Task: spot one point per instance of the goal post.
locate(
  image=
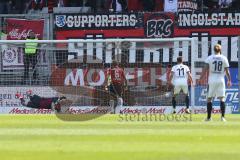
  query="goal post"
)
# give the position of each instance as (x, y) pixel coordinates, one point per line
(194, 53)
(238, 46)
(77, 67)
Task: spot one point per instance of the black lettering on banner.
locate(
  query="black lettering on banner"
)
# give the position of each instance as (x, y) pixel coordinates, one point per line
(159, 28)
(159, 25)
(150, 30)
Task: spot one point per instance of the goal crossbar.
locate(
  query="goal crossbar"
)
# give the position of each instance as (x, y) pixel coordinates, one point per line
(97, 40)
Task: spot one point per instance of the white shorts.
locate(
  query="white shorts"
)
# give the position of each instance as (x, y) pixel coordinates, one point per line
(179, 88)
(216, 90)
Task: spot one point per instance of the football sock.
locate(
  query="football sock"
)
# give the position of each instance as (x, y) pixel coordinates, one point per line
(222, 106)
(187, 101)
(174, 102)
(209, 109)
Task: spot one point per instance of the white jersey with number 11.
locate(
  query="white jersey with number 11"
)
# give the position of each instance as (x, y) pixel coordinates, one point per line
(180, 76)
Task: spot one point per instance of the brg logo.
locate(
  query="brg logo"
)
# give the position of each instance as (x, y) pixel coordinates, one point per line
(9, 55)
(159, 25)
(60, 20)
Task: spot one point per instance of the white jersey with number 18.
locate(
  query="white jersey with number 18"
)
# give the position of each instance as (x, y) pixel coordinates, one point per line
(217, 65)
(180, 76)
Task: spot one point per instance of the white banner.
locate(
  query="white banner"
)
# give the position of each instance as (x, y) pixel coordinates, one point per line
(9, 100)
(105, 110)
(168, 110)
(12, 58)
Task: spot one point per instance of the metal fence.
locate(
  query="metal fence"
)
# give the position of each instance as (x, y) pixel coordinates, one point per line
(6, 75)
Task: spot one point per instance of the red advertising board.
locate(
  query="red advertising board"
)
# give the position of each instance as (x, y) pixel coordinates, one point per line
(19, 28)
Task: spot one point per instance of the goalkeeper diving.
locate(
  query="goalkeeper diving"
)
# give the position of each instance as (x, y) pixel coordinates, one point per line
(37, 102)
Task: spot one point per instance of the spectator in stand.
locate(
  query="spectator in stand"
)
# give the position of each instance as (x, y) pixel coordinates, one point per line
(8, 7)
(210, 5)
(96, 5)
(140, 5)
(117, 5)
(170, 5)
(148, 5)
(159, 5)
(11, 8)
(221, 5)
(101, 5)
(200, 5)
(51, 4)
(215, 8)
(3, 6)
(74, 3)
(224, 4)
(235, 5)
(134, 5)
(23, 6)
(37, 4)
(56, 3)
(62, 3)
(92, 4)
(20, 6)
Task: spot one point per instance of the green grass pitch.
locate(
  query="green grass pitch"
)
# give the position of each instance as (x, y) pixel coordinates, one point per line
(39, 137)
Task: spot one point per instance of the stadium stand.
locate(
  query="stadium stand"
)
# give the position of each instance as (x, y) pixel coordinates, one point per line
(24, 6)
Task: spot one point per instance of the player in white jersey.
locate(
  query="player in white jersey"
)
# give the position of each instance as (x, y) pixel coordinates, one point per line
(179, 76)
(217, 66)
(170, 5)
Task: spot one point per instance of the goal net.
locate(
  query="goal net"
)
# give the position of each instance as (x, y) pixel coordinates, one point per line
(78, 68)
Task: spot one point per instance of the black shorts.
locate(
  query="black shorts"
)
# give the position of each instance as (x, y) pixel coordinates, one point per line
(116, 89)
(41, 102)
